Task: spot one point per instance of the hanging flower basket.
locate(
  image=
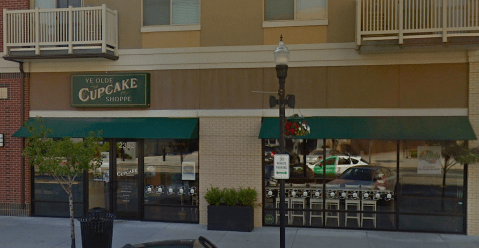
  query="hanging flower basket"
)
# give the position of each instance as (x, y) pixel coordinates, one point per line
(296, 126)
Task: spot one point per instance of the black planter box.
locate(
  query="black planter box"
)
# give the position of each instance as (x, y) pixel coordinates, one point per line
(230, 218)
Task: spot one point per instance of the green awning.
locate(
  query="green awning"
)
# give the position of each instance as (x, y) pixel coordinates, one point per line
(380, 128)
(140, 128)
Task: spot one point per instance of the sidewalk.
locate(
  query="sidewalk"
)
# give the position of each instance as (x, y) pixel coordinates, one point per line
(55, 232)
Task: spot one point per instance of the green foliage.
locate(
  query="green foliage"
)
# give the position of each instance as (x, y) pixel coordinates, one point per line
(456, 152)
(214, 196)
(231, 197)
(247, 197)
(61, 158)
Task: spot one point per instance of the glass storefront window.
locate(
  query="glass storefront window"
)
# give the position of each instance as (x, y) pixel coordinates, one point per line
(431, 186)
(171, 180)
(50, 199)
(357, 184)
(352, 185)
(99, 181)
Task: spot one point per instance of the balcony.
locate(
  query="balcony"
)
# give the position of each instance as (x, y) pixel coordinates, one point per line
(417, 25)
(87, 32)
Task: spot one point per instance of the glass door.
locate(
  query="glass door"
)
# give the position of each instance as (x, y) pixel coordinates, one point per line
(99, 181)
(127, 179)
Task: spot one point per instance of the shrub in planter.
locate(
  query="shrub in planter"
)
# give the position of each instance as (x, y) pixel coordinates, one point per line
(231, 209)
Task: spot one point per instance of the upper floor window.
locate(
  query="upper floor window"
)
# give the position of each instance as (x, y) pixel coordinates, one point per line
(52, 4)
(171, 12)
(296, 10)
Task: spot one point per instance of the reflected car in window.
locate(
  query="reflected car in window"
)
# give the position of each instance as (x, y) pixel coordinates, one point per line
(269, 152)
(374, 177)
(336, 165)
(317, 154)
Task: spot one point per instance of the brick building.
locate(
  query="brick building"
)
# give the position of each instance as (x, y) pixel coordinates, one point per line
(186, 84)
(15, 189)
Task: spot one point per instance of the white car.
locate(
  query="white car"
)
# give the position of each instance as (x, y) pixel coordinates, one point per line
(317, 155)
(336, 165)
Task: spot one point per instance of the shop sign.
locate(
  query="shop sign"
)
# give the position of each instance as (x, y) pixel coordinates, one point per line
(429, 160)
(269, 219)
(281, 166)
(188, 171)
(110, 90)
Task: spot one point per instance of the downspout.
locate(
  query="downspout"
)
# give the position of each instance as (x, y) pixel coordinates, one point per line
(22, 119)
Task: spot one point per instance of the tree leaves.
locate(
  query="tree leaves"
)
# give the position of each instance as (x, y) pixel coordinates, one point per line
(61, 157)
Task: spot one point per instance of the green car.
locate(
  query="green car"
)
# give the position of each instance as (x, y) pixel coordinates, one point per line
(336, 165)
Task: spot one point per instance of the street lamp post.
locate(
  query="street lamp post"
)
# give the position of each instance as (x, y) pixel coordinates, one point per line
(281, 57)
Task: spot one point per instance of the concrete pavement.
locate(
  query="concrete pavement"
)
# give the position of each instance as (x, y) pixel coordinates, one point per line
(42, 232)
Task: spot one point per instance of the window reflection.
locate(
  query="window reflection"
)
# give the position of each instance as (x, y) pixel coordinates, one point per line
(431, 182)
(358, 176)
(355, 184)
(50, 199)
(98, 181)
(171, 180)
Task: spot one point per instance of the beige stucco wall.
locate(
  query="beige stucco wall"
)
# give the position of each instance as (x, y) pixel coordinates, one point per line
(231, 22)
(170, 39)
(230, 157)
(129, 20)
(296, 35)
(341, 21)
(389, 86)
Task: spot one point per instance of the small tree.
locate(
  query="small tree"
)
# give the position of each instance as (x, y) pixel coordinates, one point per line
(454, 153)
(63, 159)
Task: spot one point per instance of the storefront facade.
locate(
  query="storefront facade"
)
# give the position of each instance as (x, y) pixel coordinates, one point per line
(205, 108)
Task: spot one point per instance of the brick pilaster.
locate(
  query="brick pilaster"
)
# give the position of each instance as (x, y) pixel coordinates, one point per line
(473, 169)
(230, 156)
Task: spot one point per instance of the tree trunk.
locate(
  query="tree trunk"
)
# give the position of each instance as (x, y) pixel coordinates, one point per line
(72, 214)
(443, 195)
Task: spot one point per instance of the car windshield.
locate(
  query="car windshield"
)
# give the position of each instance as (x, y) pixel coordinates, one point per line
(361, 174)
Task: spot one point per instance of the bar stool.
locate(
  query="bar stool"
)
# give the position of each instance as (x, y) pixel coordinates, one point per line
(297, 201)
(315, 200)
(332, 201)
(352, 200)
(370, 199)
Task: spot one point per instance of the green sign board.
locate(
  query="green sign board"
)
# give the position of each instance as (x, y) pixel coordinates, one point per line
(110, 90)
(269, 219)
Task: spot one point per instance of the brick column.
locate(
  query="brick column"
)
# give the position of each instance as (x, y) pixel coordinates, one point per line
(230, 156)
(10, 153)
(473, 169)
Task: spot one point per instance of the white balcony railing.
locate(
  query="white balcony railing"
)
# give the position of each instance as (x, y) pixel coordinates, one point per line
(412, 19)
(66, 29)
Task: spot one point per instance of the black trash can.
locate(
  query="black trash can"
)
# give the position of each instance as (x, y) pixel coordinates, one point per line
(97, 228)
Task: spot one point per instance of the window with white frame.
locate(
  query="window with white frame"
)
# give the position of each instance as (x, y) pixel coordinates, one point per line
(295, 10)
(171, 12)
(52, 4)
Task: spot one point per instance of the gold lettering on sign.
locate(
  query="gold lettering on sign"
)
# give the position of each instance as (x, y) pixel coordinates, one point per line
(86, 94)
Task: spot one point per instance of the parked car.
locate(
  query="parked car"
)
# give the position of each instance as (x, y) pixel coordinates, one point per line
(336, 165)
(316, 155)
(369, 177)
(201, 242)
(297, 170)
(269, 152)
